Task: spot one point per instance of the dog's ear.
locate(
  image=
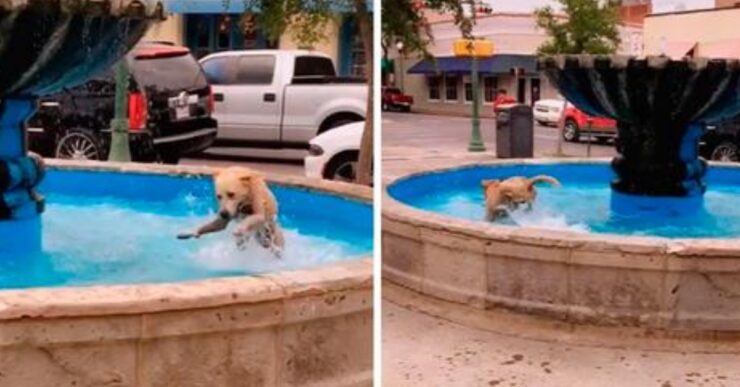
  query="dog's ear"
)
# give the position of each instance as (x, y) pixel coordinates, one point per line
(486, 183)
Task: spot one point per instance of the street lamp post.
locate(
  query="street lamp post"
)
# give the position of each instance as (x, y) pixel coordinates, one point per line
(399, 46)
(476, 141)
(473, 48)
(119, 146)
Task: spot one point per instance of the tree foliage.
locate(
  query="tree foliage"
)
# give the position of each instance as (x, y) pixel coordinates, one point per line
(590, 27)
(404, 21)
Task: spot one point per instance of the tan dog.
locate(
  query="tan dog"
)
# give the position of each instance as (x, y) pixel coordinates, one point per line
(243, 196)
(503, 196)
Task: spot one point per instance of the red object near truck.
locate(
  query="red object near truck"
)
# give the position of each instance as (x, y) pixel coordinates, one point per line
(576, 124)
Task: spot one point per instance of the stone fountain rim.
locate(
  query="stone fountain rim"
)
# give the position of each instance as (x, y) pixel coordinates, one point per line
(400, 212)
(133, 299)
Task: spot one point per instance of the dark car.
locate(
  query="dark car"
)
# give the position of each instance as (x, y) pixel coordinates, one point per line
(721, 141)
(394, 98)
(169, 109)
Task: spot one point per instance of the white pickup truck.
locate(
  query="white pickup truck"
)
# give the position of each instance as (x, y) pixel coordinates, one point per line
(279, 98)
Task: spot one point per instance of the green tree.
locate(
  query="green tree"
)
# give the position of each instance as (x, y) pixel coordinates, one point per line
(404, 21)
(589, 27)
(307, 22)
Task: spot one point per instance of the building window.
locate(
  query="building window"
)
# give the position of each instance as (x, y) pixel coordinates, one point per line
(468, 86)
(490, 85)
(351, 58)
(208, 33)
(249, 31)
(433, 84)
(224, 32)
(451, 82)
(358, 57)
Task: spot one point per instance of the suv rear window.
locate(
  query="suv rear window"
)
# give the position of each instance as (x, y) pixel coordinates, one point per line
(169, 72)
(313, 66)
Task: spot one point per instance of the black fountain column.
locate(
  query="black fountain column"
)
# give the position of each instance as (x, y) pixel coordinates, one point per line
(660, 106)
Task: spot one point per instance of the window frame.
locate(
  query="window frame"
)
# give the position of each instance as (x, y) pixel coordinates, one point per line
(438, 81)
(447, 89)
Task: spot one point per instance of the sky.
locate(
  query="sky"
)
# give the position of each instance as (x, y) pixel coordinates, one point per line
(658, 5)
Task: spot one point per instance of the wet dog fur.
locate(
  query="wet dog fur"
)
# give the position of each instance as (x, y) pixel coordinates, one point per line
(502, 196)
(243, 196)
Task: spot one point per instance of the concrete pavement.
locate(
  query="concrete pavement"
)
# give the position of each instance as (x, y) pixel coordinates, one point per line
(421, 349)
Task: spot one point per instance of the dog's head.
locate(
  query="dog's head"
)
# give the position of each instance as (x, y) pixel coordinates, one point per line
(235, 189)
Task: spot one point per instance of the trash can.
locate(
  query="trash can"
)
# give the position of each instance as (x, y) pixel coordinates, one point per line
(515, 132)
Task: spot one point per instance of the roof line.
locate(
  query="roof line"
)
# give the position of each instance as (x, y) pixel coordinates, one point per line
(690, 11)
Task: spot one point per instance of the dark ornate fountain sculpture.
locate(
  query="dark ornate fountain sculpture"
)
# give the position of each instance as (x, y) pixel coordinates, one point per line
(660, 106)
(45, 46)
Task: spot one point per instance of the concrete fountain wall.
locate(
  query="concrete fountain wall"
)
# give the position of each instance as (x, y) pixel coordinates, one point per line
(306, 327)
(680, 285)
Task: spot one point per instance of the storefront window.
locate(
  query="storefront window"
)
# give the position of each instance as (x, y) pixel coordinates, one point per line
(358, 57)
(490, 85)
(208, 33)
(433, 84)
(468, 91)
(451, 82)
(223, 26)
(249, 31)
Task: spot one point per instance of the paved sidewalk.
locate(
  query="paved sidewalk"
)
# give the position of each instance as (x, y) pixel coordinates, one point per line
(420, 349)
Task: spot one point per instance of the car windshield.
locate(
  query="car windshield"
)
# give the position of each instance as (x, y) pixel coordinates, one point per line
(393, 91)
(169, 72)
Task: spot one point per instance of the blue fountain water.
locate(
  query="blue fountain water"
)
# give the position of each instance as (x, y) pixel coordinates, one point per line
(113, 228)
(583, 204)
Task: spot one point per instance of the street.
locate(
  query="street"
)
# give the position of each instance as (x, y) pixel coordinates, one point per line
(443, 141)
(444, 133)
(266, 166)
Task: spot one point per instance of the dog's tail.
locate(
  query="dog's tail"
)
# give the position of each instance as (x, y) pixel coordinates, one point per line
(544, 178)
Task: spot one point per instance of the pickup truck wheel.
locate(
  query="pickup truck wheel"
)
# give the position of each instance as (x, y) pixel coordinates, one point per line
(342, 167)
(384, 106)
(726, 151)
(79, 145)
(571, 131)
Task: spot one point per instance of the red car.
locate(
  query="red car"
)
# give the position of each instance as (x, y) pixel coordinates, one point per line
(577, 123)
(393, 98)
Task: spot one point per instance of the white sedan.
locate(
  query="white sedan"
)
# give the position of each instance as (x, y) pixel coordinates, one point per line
(334, 153)
(548, 111)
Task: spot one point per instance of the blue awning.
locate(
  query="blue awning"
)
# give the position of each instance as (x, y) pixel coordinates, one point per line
(221, 6)
(497, 64)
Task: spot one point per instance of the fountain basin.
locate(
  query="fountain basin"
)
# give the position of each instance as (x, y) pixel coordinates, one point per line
(282, 325)
(664, 279)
